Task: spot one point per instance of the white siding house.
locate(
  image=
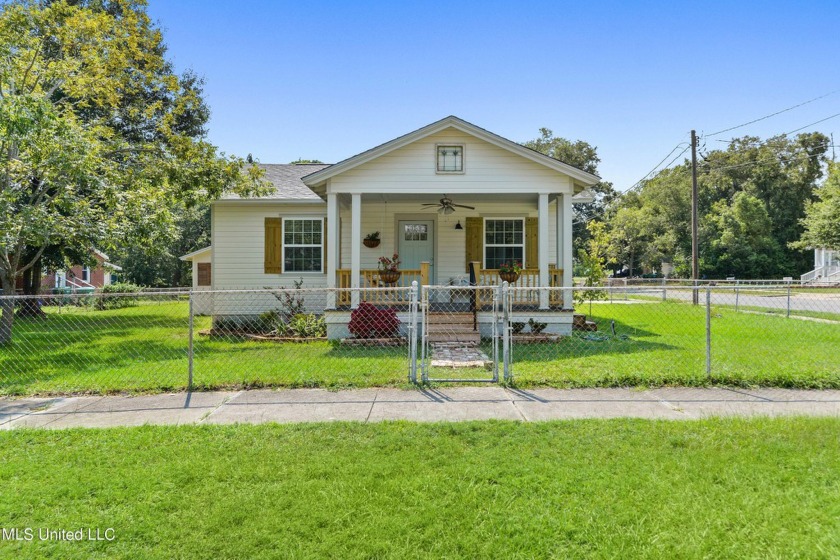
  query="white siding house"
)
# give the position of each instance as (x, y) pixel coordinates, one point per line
(311, 227)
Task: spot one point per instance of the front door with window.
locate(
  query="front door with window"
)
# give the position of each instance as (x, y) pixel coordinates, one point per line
(416, 244)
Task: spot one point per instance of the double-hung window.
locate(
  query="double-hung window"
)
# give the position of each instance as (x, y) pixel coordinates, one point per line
(302, 244)
(504, 242)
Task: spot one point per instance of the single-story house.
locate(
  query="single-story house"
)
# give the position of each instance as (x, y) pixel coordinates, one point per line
(202, 275)
(826, 268)
(103, 273)
(448, 197)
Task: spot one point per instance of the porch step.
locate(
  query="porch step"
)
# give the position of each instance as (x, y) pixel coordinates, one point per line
(449, 328)
(451, 319)
(465, 336)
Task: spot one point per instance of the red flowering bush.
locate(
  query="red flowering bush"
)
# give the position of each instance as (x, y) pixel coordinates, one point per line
(369, 321)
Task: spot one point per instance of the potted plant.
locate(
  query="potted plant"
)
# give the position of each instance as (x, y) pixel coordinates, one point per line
(389, 271)
(371, 240)
(509, 272)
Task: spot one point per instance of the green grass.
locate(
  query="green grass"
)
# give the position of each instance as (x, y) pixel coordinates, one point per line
(722, 488)
(664, 344)
(144, 348)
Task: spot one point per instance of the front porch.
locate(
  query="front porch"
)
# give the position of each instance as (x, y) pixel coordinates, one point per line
(453, 248)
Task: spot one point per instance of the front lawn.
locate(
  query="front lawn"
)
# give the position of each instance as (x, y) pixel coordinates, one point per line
(145, 348)
(719, 488)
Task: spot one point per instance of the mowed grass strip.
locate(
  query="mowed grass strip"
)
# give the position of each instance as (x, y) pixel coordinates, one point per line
(144, 348)
(718, 488)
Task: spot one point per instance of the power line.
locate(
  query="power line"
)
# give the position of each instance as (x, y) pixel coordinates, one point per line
(652, 171)
(764, 162)
(812, 124)
(770, 115)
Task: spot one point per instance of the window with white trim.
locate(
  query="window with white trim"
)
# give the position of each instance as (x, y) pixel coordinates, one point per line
(85, 274)
(504, 242)
(303, 245)
(450, 159)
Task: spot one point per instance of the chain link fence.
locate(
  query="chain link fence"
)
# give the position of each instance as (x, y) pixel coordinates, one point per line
(616, 335)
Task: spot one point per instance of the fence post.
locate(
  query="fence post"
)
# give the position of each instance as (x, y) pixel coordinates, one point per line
(424, 371)
(190, 350)
(708, 330)
(737, 294)
(664, 289)
(506, 341)
(412, 335)
(788, 300)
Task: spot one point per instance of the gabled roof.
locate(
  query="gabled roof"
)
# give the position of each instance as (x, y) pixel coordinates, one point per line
(191, 256)
(286, 179)
(317, 179)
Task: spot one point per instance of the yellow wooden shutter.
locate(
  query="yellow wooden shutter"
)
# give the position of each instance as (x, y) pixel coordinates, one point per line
(273, 245)
(475, 240)
(324, 245)
(532, 242)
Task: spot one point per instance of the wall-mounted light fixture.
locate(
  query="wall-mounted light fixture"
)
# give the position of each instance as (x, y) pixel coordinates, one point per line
(458, 225)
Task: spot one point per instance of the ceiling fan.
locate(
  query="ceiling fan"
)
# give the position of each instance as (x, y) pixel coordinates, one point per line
(446, 206)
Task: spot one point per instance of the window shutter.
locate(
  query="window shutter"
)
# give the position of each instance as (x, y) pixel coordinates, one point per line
(532, 242)
(475, 240)
(273, 245)
(324, 245)
(204, 274)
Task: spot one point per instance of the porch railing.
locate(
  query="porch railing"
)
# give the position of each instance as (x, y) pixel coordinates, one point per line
(528, 278)
(370, 279)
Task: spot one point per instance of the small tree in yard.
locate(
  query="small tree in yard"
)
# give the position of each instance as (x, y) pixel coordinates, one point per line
(593, 261)
(99, 138)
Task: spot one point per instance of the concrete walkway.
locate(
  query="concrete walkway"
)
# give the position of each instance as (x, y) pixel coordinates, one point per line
(428, 405)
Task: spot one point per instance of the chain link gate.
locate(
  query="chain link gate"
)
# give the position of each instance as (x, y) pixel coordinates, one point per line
(460, 330)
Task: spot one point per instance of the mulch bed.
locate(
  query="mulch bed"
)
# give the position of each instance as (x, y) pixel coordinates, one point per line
(395, 341)
(214, 333)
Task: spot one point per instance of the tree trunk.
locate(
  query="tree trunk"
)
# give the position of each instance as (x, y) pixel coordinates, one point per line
(7, 308)
(31, 306)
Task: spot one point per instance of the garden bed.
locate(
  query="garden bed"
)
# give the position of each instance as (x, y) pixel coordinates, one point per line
(392, 341)
(215, 333)
(530, 338)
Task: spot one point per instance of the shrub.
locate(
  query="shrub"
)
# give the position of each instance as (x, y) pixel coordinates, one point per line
(536, 328)
(108, 301)
(517, 328)
(369, 321)
(307, 326)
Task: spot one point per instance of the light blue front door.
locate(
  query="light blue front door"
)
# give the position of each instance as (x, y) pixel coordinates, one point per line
(417, 244)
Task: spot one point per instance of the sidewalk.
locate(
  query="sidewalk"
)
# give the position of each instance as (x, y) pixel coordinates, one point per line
(425, 405)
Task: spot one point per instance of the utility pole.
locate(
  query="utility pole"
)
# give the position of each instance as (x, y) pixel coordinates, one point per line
(695, 265)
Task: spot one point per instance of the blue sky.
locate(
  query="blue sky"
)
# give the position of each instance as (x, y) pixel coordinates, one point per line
(327, 80)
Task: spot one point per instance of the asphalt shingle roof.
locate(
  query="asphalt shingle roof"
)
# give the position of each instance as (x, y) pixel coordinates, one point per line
(286, 178)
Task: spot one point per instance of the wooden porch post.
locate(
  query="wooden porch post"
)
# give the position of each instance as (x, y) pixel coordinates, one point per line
(355, 247)
(542, 211)
(332, 247)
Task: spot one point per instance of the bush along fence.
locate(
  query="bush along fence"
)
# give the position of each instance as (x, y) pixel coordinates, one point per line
(387, 336)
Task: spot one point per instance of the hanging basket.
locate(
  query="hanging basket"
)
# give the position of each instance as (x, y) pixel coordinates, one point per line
(509, 277)
(371, 243)
(390, 276)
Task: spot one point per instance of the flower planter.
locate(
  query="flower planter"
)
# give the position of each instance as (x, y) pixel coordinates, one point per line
(509, 277)
(371, 243)
(390, 276)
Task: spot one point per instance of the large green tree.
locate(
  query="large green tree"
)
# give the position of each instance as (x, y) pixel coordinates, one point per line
(781, 174)
(98, 135)
(584, 156)
(822, 217)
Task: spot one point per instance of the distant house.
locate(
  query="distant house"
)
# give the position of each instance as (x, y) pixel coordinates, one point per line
(78, 276)
(826, 268)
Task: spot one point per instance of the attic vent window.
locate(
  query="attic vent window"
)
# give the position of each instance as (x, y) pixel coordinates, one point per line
(450, 159)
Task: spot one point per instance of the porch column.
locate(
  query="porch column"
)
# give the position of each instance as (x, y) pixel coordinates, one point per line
(332, 247)
(566, 223)
(542, 254)
(558, 232)
(355, 247)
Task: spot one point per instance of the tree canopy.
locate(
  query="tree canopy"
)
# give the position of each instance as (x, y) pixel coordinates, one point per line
(99, 138)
